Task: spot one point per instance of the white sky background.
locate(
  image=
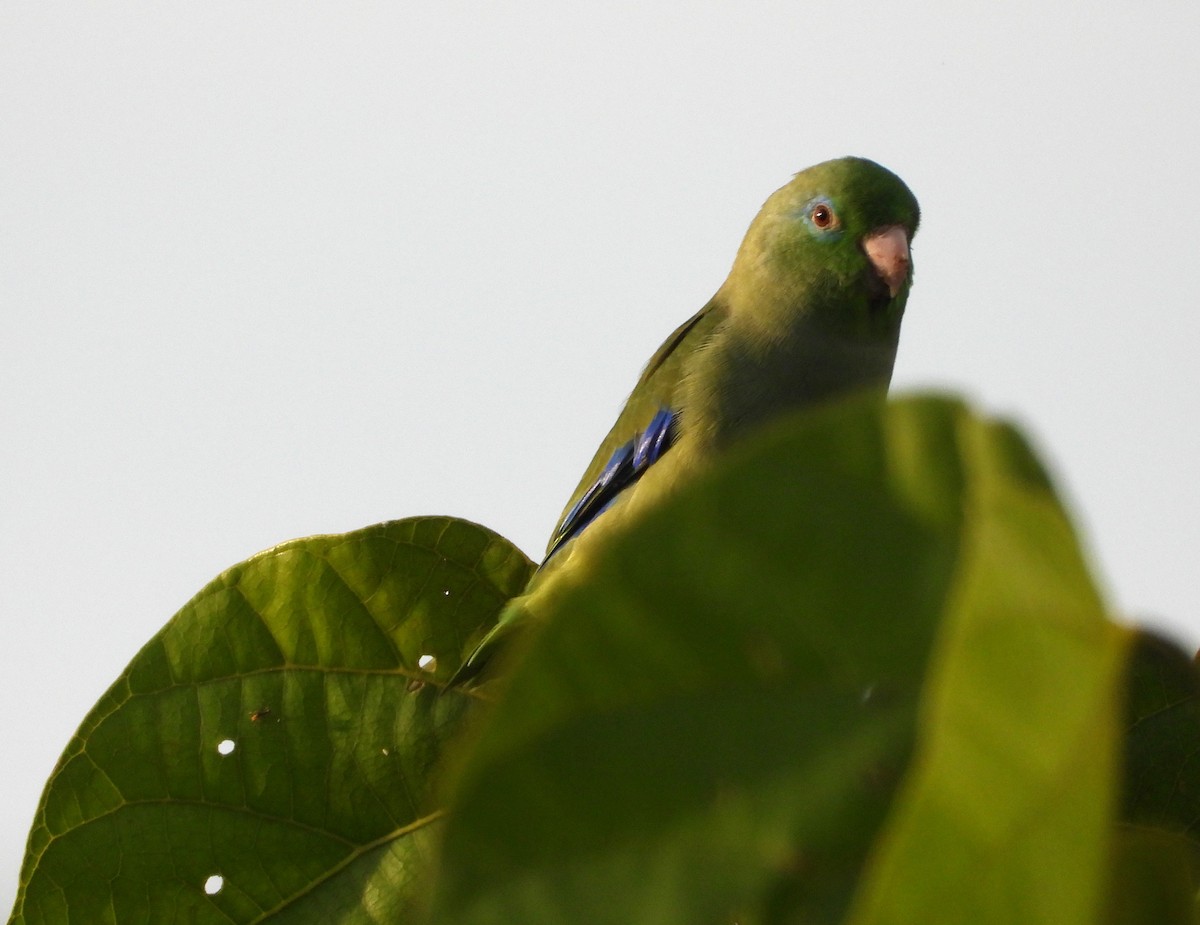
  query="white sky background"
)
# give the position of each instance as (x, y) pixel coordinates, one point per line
(269, 270)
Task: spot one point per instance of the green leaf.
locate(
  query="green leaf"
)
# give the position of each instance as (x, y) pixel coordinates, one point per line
(1156, 856)
(1162, 746)
(1005, 816)
(727, 707)
(280, 733)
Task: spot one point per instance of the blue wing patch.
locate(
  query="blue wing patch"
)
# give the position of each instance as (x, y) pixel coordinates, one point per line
(627, 465)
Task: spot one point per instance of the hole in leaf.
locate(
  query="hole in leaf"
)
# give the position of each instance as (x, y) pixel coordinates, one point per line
(213, 885)
(226, 746)
(427, 663)
(446, 592)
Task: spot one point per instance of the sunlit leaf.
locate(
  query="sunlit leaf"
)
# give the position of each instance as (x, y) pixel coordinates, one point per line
(269, 755)
(1006, 814)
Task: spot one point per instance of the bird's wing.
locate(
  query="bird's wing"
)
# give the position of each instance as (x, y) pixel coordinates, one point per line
(648, 421)
(625, 467)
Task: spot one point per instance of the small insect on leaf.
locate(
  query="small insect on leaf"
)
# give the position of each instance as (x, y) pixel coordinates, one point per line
(259, 714)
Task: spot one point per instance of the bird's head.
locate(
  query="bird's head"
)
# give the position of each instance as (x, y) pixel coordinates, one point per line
(833, 245)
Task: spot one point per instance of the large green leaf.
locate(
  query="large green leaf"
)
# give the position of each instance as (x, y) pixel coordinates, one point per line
(717, 715)
(1006, 814)
(280, 733)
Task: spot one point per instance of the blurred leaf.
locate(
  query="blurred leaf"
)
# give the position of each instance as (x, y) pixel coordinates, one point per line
(716, 716)
(1006, 814)
(1150, 882)
(279, 733)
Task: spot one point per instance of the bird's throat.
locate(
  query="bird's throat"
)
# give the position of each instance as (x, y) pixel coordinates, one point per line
(744, 379)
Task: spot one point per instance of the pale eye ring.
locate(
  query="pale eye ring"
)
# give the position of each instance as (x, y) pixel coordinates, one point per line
(822, 216)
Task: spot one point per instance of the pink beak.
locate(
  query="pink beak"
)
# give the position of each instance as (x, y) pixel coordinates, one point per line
(887, 249)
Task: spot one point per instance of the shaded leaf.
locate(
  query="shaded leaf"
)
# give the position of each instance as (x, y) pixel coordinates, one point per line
(279, 733)
(1156, 852)
(1162, 744)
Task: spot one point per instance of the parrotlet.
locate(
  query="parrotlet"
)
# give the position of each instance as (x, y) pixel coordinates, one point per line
(810, 311)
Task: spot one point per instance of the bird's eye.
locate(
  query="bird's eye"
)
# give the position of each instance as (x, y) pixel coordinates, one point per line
(822, 216)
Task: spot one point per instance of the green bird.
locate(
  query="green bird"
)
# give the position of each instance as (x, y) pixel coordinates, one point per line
(810, 311)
